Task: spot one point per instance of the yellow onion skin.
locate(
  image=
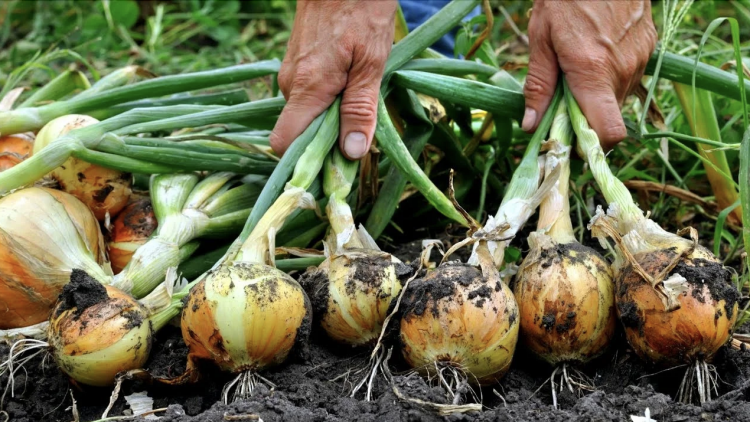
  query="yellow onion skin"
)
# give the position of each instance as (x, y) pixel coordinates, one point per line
(14, 149)
(454, 316)
(352, 292)
(565, 295)
(102, 189)
(245, 316)
(107, 338)
(130, 230)
(38, 249)
(702, 324)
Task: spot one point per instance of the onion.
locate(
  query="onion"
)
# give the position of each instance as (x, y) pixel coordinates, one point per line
(694, 332)
(14, 149)
(102, 189)
(455, 317)
(353, 289)
(98, 331)
(564, 289)
(131, 229)
(675, 299)
(44, 235)
(245, 316)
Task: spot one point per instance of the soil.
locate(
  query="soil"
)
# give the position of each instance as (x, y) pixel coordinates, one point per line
(313, 386)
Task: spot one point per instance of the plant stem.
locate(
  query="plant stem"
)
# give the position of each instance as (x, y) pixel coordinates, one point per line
(612, 188)
(393, 146)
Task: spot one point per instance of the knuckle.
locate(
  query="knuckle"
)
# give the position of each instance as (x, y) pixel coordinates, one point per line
(536, 86)
(359, 106)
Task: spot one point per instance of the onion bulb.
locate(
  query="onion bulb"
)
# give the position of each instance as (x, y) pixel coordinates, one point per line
(455, 316)
(352, 292)
(245, 316)
(103, 190)
(674, 298)
(564, 289)
(98, 331)
(702, 324)
(14, 149)
(44, 235)
(131, 229)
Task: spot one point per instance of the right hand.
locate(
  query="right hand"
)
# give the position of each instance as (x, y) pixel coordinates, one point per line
(336, 47)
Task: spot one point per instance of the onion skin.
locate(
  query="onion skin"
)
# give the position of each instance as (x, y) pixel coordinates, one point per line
(565, 294)
(245, 316)
(697, 330)
(35, 260)
(454, 316)
(107, 338)
(102, 189)
(14, 149)
(131, 229)
(352, 293)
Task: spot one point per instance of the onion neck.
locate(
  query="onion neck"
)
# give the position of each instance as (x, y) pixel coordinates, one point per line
(614, 191)
(338, 177)
(554, 211)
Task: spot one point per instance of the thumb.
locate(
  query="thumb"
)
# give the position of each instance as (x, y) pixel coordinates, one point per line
(541, 79)
(303, 107)
(599, 104)
(359, 112)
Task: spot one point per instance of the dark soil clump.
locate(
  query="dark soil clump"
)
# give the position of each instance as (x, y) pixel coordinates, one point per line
(82, 292)
(713, 275)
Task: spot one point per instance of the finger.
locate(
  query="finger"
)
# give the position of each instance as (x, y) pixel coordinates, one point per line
(599, 104)
(303, 107)
(541, 79)
(359, 108)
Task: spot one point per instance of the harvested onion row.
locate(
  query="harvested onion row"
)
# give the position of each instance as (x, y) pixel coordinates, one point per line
(564, 289)
(674, 298)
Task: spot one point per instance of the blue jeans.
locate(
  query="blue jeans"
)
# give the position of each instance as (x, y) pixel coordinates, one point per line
(416, 12)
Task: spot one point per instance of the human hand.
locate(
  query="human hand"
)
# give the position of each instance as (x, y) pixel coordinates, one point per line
(336, 47)
(602, 47)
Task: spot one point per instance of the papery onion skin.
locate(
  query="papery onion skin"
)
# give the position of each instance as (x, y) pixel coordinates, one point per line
(14, 149)
(698, 329)
(245, 316)
(107, 338)
(352, 293)
(565, 295)
(454, 316)
(131, 229)
(102, 189)
(33, 266)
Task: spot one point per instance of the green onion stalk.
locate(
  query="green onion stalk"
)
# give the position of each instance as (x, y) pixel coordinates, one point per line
(186, 208)
(564, 289)
(106, 144)
(59, 87)
(108, 93)
(675, 299)
(522, 197)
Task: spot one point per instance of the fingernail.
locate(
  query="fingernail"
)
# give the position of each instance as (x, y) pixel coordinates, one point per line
(529, 119)
(355, 145)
